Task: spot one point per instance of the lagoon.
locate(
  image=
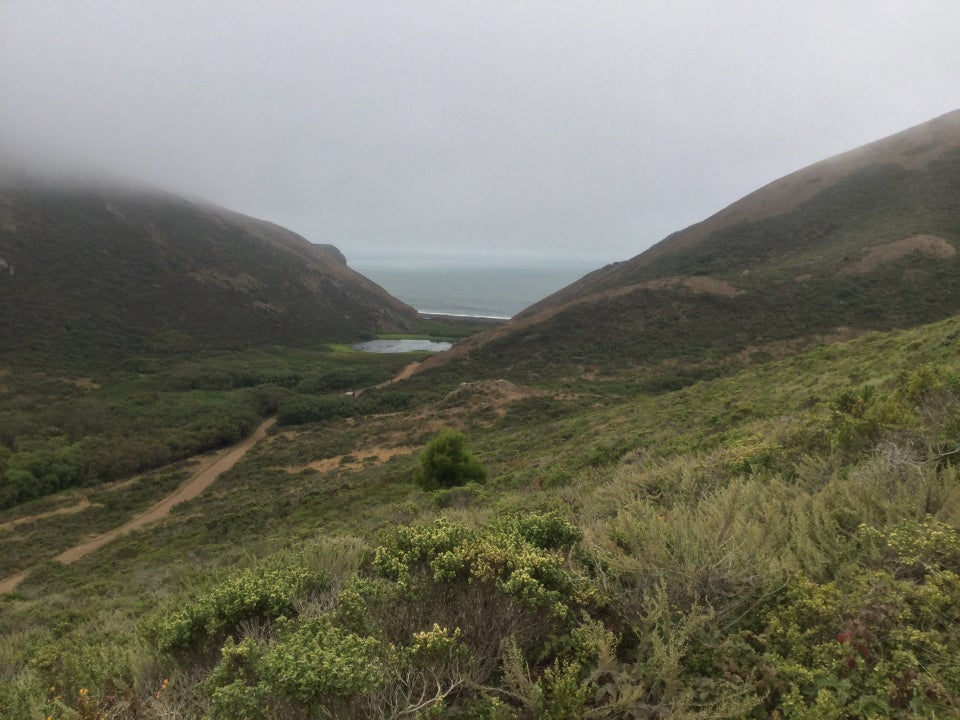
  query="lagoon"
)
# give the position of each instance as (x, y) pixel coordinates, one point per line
(401, 346)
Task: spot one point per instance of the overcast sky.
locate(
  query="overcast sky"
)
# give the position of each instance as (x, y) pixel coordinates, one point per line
(544, 127)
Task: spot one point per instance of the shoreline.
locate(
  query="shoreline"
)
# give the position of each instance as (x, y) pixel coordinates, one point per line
(489, 319)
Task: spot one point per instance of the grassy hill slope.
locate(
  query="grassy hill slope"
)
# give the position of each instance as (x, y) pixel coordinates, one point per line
(95, 269)
(779, 541)
(721, 481)
(866, 240)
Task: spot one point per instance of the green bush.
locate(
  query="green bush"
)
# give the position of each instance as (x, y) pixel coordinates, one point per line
(317, 669)
(549, 530)
(866, 645)
(447, 462)
(251, 594)
(314, 669)
(299, 409)
(422, 557)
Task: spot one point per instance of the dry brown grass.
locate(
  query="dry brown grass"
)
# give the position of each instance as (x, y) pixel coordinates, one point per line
(83, 383)
(911, 148)
(930, 246)
(356, 460)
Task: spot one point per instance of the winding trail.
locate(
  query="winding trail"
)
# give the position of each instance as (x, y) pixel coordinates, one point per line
(408, 371)
(201, 479)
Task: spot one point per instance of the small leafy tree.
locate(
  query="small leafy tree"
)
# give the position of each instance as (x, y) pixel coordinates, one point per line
(447, 462)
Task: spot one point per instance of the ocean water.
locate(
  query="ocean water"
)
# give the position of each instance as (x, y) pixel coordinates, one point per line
(473, 287)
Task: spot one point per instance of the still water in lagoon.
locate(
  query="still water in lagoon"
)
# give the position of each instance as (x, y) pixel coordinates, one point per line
(401, 346)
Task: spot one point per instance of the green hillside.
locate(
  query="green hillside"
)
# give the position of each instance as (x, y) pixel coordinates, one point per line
(94, 269)
(784, 540)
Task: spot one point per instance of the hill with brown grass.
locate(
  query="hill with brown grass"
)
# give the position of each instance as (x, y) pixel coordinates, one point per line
(864, 240)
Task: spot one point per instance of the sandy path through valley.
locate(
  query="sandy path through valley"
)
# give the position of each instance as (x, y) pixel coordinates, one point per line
(201, 479)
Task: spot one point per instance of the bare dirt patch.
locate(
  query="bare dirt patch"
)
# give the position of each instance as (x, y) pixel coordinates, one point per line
(495, 394)
(930, 246)
(481, 401)
(408, 371)
(9, 584)
(82, 383)
(358, 459)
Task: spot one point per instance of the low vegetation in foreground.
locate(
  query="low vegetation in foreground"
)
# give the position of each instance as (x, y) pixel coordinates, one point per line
(783, 542)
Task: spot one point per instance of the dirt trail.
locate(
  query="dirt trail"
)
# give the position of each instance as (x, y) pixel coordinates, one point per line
(9, 584)
(408, 371)
(79, 506)
(201, 479)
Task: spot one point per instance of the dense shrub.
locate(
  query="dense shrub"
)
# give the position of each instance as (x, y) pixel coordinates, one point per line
(521, 559)
(447, 462)
(299, 409)
(252, 594)
(548, 531)
(387, 650)
(171, 428)
(316, 669)
(312, 668)
(867, 645)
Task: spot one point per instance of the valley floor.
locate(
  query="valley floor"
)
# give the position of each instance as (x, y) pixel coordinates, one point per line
(782, 542)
